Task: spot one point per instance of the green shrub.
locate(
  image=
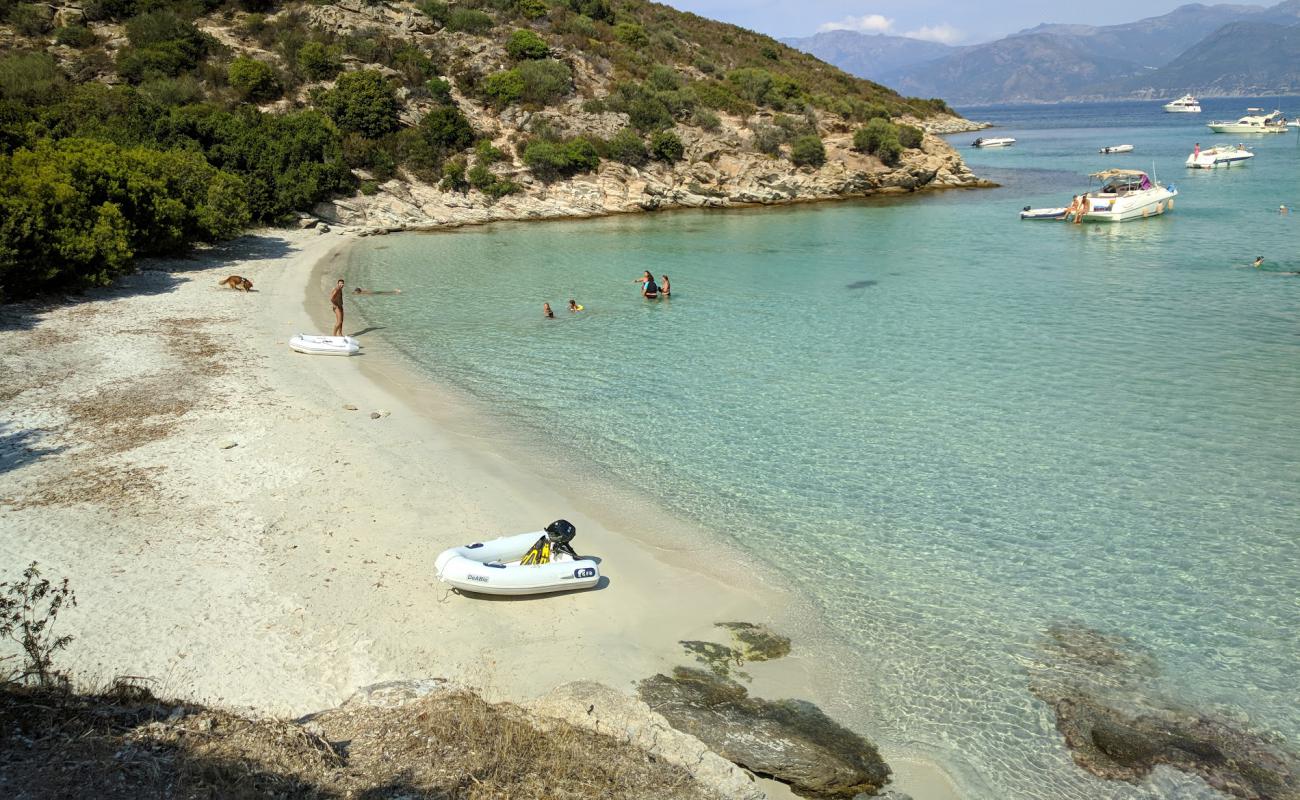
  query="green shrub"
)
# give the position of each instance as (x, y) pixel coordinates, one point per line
(504, 88)
(869, 136)
(545, 81)
(627, 147)
(889, 151)
(665, 146)
(550, 160)
(162, 45)
(318, 61)
(910, 136)
(663, 78)
(487, 153)
(439, 90)
(648, 113)
(435, 10)
(468, 20)
(524, 44)
(768, 139)
(599, 10)
(413, 63)
(446, 128)
(363, 101)
(75, 212)
(32, 19)
(808, 151)
(178, 91)
(531, 9)
(78, 36)
(369, 188)
(495, 187)
(453, 176)
(254, 80)
(30, 78)
(631, 34)
(707, 120)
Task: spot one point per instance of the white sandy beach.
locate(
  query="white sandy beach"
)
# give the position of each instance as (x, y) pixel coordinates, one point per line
(237, 535)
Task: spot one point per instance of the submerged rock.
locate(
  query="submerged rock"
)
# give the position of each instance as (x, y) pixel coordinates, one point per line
(750, 643)
(1113, 744)
(1118, 726)
(792, 741)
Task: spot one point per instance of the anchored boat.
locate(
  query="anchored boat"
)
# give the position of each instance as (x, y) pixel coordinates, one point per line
(1221, 156)
(325, 345)
(1125, 194)
(1186, 104)
(1272, 122)
(529, 563)
(993, 141)
(1119, 148)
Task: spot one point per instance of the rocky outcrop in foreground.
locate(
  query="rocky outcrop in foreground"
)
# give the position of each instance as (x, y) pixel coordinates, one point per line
(792, 741)
(1119, 727)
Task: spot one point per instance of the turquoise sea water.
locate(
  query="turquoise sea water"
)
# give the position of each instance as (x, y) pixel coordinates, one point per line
(948, 427)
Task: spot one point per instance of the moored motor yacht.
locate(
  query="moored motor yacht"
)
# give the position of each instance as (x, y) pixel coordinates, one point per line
(1125, 194)
(1183, 105)
(993, 141)
(1272, 122)
(1222, 156)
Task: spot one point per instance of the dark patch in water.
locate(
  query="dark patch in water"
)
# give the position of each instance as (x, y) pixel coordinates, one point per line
(861, 284)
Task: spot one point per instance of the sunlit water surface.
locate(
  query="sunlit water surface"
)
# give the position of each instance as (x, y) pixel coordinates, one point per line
(947, 427)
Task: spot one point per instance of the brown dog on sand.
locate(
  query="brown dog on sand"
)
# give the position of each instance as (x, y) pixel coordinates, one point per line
(237, 282)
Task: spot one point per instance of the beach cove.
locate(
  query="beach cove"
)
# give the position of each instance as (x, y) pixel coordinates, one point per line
(237, 535)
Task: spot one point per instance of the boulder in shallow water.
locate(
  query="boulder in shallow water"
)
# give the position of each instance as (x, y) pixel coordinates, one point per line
(792, 741)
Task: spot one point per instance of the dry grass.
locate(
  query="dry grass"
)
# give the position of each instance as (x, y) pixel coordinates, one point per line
(112, 486)
(452, 746)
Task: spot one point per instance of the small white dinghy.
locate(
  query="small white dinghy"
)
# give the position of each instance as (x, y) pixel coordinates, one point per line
(1119, 148)
(325, 345)
(993, 141)
(1043, 213)
(528, 563)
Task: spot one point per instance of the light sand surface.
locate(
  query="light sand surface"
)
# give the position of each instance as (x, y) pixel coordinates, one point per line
(238, 536)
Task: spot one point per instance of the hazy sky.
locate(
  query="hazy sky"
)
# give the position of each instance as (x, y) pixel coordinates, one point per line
(950, 21)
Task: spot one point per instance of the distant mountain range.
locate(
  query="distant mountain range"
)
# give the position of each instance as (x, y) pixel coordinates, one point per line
(1206, 50)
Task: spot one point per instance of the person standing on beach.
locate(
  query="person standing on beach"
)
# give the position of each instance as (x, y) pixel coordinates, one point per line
(336, 300)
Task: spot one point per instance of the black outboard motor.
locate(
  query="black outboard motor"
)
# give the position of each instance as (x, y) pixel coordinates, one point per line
(560, 533)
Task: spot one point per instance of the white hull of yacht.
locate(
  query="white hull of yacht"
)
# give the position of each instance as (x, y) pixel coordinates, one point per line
(1137, 205)
(1183, 105)
(1219, 157)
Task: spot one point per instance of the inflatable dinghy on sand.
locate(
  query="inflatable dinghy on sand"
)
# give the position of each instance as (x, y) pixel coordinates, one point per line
(529, 563)
(325, 345)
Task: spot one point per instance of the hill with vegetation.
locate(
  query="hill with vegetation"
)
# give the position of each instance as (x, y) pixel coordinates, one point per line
(132, 128)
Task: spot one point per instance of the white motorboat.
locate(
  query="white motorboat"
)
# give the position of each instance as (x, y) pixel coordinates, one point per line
(1184, 105)
(1125, 194)
(993, 141)
(1221, 156)
(528, 563)
(1272, 122)
(325, 345)
(1119, 148)
(1295, 123)
(1043, 213)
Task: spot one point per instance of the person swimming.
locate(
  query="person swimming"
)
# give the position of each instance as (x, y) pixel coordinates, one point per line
(664, 288)
(1259, 263)
(573, 306)
(547, 312)
(359, 290)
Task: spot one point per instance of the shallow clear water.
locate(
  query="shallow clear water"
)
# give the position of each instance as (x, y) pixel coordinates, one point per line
(949, 427)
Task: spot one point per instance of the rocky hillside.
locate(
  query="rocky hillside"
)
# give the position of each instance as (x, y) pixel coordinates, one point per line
(396, 114)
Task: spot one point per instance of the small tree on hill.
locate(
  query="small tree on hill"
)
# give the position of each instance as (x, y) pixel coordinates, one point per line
(524, 44)
(808, 151)
(254, 80)
(363, 101)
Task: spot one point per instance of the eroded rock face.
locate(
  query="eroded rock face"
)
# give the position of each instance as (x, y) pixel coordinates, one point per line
(792, 741)
(1119, 726)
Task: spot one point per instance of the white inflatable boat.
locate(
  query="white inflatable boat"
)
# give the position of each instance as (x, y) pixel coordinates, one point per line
(503, 566)
(325, 345)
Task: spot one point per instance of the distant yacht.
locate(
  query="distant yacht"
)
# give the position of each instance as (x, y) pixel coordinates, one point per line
(993, 141)
(1273, 122)
(1184, 105)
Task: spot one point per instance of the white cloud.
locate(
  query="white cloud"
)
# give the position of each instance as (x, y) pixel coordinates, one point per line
(944, 34)
(867, 23)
